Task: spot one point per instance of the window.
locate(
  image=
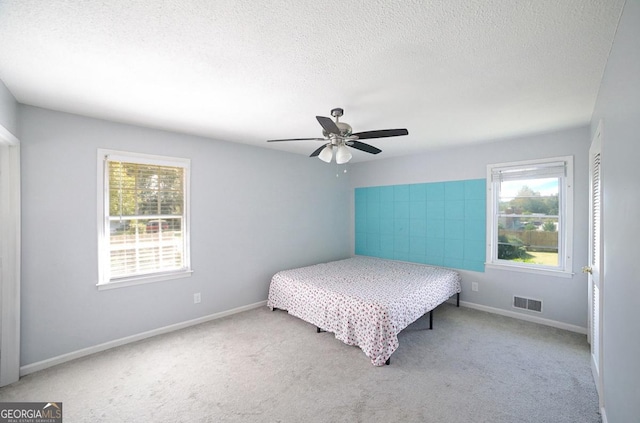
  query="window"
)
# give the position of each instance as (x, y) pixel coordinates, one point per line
(143, 211)
(529, 215)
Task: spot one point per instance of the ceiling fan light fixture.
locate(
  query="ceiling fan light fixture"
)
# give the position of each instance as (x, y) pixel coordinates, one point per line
(343, 155)
(327, 154)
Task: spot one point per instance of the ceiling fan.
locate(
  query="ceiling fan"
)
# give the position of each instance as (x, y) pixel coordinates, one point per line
(338, 135)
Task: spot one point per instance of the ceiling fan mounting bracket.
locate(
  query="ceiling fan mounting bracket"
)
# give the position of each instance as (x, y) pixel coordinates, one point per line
(337, 112)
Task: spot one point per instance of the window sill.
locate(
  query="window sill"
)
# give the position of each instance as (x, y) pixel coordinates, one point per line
(536, 270)
(140, 280)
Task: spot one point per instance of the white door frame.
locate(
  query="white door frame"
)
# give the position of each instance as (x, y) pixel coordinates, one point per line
(595, 270)
(9, 257)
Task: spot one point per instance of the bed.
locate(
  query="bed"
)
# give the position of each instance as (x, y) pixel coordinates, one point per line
(364, 301)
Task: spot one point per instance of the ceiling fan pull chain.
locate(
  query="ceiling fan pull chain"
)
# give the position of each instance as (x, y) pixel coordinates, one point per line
(338, 170)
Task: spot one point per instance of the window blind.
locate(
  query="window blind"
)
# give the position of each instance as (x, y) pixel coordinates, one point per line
(535, 171)
(145, 214)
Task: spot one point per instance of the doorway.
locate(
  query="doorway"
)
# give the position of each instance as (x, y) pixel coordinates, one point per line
(9, 258)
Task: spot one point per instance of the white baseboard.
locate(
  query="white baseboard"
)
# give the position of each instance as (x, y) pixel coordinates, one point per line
(521, 316)
(50, 362)
(603, 414)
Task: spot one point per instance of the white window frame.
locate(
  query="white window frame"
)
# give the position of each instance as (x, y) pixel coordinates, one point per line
(104, 280)
(565, 220)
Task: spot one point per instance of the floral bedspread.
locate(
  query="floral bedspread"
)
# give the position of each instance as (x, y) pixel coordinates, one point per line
(364, 301)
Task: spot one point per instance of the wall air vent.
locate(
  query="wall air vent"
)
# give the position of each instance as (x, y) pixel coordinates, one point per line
(527, 304)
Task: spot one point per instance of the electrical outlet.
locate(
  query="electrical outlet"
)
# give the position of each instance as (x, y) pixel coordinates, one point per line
(196, 298)
(474, 286)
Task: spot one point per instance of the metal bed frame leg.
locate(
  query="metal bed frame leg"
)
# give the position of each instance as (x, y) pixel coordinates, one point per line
(388, 361)
(458, 299)
(318, 330)
(431, 320)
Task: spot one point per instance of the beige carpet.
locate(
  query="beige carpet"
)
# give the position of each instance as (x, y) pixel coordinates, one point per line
(263, 366)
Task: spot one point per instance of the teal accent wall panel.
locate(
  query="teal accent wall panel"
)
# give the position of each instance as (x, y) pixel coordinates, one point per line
(439, 223)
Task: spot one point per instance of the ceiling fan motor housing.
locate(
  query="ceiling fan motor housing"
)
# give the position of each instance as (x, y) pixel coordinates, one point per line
(345, 131)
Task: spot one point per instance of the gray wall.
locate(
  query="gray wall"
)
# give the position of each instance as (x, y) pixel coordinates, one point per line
(618, 106)
(8, 110)
(254, 211)
(564, 300)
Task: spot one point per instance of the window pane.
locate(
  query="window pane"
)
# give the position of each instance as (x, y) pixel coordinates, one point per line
(530, 196)
(146, 246)
(528, 221)
(146, 206)
(136, 189)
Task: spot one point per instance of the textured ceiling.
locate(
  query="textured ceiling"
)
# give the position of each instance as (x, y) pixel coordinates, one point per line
(451, 72)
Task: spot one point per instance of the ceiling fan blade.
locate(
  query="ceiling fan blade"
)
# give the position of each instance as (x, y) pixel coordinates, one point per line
(328, 125)
(298, 139)
(382, 133)
(364, 147)
(317, 152)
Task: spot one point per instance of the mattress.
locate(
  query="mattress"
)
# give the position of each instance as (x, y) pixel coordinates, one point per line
(364, 301)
